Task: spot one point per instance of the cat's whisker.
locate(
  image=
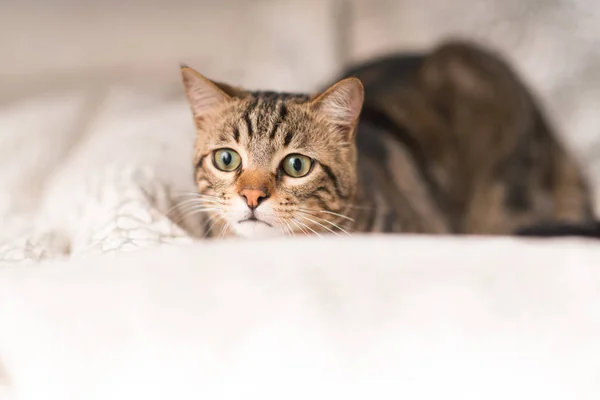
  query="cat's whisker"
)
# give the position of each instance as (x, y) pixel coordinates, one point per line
(186, 193)
(292, 233)
(196, 211)
(190, 198)
(333, 224)
(217, 218)
(328, 212)
(287, 226)
(193, 206)
(339, 227)
(308, 227)
(318, 223)
(209, 219)
(295, 222)
(279, 221)
(191, 202)
(201, 207)
(335, 227)
(200, 197)
(224, 228)
(282, 227)
(197, 198)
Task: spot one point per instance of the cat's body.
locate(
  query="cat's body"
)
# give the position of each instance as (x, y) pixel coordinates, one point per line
(459, 145)
(448, 142)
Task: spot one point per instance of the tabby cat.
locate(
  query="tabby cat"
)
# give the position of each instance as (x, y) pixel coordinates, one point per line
(450, 141)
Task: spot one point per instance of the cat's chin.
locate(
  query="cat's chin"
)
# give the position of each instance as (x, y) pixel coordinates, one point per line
(255, 229)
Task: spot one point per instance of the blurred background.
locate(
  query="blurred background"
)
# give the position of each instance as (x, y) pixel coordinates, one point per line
(63, 59)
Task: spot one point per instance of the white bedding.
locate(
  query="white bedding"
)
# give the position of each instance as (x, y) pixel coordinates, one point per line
(108, 187)
(362, 318)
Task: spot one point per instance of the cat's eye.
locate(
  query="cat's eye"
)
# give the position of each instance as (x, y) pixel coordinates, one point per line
(297, 165)
(226, 159)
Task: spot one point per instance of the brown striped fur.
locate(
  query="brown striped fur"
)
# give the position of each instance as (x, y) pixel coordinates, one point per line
(448, 142)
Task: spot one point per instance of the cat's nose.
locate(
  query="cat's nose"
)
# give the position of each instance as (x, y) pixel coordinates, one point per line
(253, 197)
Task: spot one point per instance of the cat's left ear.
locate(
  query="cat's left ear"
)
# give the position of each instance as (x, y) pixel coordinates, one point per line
(341, 103)
(204, 95)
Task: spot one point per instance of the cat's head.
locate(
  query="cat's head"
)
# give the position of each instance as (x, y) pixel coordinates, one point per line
(270, 163)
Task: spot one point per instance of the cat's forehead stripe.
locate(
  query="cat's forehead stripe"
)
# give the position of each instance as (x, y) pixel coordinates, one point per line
(280, 96)
(267, 111)
(282, 112)
(288, 138)
(263, 114)
(246, 117)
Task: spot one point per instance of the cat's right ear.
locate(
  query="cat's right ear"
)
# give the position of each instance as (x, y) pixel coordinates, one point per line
(341, 103)
(204, 95)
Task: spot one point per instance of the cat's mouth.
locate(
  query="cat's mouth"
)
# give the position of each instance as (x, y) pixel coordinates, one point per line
(253, 219)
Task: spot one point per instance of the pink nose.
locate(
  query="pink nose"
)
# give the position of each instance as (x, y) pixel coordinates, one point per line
(253, 197)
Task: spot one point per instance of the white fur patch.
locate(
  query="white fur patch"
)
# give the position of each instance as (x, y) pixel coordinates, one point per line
(266, 226)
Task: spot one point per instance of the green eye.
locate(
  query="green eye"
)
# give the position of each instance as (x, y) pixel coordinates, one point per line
(226, 160)
(296, 165)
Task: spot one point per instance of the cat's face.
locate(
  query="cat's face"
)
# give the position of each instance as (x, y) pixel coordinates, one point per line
(271, 164)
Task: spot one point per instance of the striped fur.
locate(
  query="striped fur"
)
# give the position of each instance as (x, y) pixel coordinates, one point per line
(448, 142)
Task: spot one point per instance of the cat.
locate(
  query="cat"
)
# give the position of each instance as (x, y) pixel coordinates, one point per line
(449, 141)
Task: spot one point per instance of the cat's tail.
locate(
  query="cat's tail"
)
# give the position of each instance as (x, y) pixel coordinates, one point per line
(559, 229)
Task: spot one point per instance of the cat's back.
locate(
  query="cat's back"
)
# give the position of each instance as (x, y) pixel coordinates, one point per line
(453, 140)
(394, 176)
(385, 73)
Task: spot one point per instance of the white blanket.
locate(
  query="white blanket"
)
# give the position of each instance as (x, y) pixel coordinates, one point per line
(362, 318)
(115, 171)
